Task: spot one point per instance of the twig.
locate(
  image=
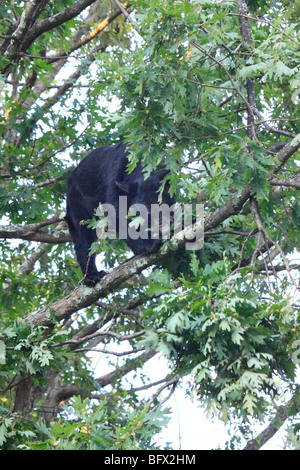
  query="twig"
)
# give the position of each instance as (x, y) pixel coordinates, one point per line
(124, 10)
(106, 351)
(173, 383)
(230, 232)
(256, 252)
(101, 334)
(262, 20)
(131, 390)
(257, 218)
(277, 268)
(195, 44)
(38, 165)
(123, 311)
(272, 129)
(247, 126)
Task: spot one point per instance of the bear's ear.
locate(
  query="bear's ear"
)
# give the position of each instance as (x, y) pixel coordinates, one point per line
(127, 188)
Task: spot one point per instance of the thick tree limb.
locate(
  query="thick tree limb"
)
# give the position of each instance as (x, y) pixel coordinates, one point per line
(30, 14)
(56, 395)
(276, 423)
(287, 152)
(82, 296)
(294, 183)
(29, 27)
(33, 232)
(59, 62)
(42, 26)
(17, 42)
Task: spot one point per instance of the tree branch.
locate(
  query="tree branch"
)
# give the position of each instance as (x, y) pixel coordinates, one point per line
(71, 80)
(33, 232)
(250, 84)
(28, 266)
(276, 423)
(249, 105)
(173, 383)
(106, 351)
(42, 26)
(258, 220)
(59, 61)
(271, 129)
(129, 365)
(101, 335)
(262, 20)
(294, 183)
(287, 152)
(131, 390)
(82, 296)
(18, 43)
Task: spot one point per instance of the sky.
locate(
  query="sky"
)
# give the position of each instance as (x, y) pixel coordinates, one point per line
(189, 428)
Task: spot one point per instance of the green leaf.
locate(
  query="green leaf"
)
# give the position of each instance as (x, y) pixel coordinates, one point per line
(176, 322)
(2, 352)
(250, 403)
(3, 433)
(236, 336)
(278, 70)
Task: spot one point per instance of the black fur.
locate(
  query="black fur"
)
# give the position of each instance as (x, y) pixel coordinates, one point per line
(101, 177)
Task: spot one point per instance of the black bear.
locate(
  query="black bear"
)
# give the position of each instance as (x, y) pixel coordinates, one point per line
(101, 178)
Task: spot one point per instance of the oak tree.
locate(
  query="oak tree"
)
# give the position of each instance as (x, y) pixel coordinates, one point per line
(212, 88)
